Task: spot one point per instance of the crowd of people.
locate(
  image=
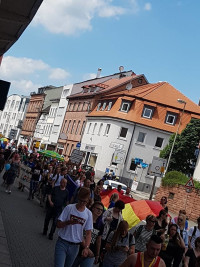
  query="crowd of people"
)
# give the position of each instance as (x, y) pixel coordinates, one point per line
(88, 233)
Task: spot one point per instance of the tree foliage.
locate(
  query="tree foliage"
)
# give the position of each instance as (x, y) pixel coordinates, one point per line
(183, 156)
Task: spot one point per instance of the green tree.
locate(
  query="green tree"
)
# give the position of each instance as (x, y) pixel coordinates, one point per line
(183, 156)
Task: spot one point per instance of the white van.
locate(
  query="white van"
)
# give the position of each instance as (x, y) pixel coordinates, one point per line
(114, 184)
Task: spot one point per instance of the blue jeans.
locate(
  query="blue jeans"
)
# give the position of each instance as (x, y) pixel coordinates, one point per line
(83, 262)
(65, 253)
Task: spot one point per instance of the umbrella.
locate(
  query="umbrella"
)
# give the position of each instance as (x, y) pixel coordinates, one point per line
(135, 210)
(3, 139)
(51, 154)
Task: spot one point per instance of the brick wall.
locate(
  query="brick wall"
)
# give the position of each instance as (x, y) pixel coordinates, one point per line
(181, 200)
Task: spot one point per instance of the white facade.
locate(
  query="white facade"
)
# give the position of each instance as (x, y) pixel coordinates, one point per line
(12, 116)
(49, 125)
(196, 174)
(107, 141)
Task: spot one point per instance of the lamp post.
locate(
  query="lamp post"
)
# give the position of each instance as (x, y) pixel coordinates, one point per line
(171, 151)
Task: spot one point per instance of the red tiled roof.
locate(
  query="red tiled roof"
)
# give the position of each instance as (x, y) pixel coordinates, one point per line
(163, 95)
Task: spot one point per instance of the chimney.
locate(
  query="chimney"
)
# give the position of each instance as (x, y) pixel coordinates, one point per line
(98, 73)
(121, 68)
(199, 102)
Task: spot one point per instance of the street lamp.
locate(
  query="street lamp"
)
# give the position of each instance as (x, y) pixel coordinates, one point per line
(181, 102)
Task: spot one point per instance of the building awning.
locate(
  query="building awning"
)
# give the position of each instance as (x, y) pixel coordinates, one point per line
(15, 16)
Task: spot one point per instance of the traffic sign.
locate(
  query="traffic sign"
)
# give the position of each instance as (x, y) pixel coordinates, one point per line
(158, 166)
(190, 183)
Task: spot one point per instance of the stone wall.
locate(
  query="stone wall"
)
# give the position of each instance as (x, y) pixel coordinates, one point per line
(178, 199)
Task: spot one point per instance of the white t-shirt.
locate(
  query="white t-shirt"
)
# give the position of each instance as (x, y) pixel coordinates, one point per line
(74, 232)
(197, 234)
(59, 179)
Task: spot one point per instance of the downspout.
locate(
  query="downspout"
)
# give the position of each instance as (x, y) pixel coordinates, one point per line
(130, 144)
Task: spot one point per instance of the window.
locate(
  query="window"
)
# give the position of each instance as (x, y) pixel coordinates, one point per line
(67, 148)
(8, 104)
(78, 126)
(55, 129)
(109, 105)
(141, 137)
(95, 125)
(17, 104)
(159, 142)
(12, 104)
(69, 124)
(83, 128)
(100, 128)
(74, 107)
(98, 106)
(71, 150)
(125, 106)
(4, 115)
(65, 92)
(60, 112)
(107, 129)
(14, 115)
(104, 106)
(90, 124)
(133, 165)
(170, 118)
(72, 130)
(123, 132)
(147, 112)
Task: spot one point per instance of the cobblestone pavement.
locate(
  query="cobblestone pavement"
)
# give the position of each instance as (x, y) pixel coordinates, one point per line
(23, 222)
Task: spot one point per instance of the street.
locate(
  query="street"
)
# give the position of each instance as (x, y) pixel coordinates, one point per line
(23, 223)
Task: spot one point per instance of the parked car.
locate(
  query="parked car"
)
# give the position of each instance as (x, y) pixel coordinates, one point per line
(114, 184)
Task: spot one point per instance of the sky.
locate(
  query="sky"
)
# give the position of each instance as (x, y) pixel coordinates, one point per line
(68, 40)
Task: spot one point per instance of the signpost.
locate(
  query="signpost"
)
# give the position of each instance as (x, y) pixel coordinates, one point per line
(76, 156)
(157, 169)
(189, 185)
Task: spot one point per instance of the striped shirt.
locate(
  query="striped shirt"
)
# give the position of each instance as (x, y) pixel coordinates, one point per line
(143, 238)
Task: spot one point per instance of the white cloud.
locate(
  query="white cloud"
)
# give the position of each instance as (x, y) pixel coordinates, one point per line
(147, 6)
(72, 17)
(26, 74)
(58, 74)
(89, 76)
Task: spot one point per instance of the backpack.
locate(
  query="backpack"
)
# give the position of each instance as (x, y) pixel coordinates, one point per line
(139, 230)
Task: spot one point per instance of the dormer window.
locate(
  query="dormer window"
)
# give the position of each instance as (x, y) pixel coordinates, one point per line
(98, 106)
(125, 106)
(104, 106)
(109, 105)
(147, 112)
(170, 118)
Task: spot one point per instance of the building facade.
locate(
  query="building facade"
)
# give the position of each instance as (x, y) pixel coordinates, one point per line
(128, 128)
(81, 104)
(12, 116)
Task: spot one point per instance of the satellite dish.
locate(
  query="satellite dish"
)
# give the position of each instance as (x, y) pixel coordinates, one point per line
(129, 86)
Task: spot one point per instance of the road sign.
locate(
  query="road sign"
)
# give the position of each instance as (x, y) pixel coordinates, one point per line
(119, 156)
(190, 183)
(158, 166)
(76, 156)
(116, 146)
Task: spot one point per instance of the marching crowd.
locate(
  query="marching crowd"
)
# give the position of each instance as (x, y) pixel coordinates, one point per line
(88, 234)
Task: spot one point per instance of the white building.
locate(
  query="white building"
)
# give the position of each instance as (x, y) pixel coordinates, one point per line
(51, 119)
(12, 116)
(128, 128)
(196, 175)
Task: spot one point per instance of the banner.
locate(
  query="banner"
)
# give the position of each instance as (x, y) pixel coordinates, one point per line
(25, 175)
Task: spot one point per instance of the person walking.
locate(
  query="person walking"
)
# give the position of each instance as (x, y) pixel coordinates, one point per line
(120, 244)
(149, 257)
(143, 233)
(193, 233)
(12, 173)
(192, 254)
(57, 200)
(74, 219)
